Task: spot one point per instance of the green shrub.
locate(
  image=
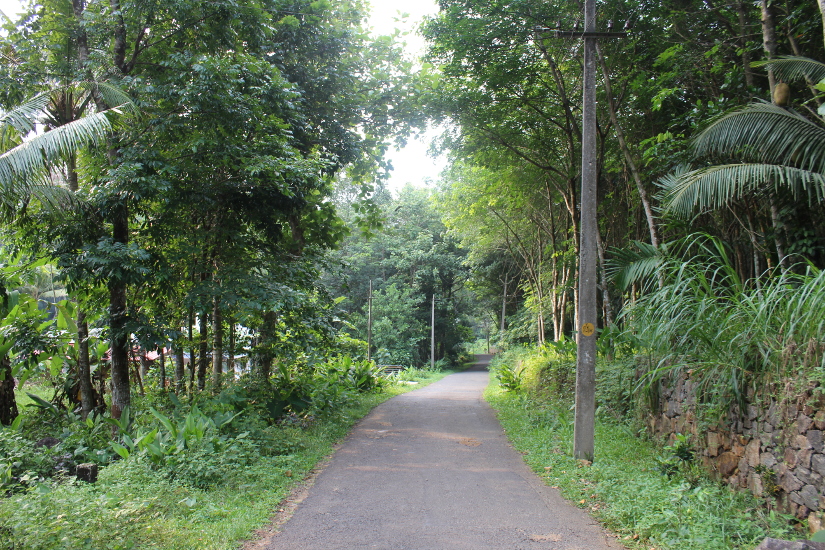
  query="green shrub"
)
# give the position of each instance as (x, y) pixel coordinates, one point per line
(21, 463)
(548, 370)
(361, 376)
(617, 395)
(87, 440)
(509, 377)
(211, 461)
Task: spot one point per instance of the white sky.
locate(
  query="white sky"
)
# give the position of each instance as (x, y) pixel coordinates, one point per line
(411, 164)
(10, 7)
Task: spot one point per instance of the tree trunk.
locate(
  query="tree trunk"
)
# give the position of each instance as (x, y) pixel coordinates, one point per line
(821, 4)
(611, 109)
(504, 305)
(144, 369)
(769, 44)
(230, 366)
(180, 369)
(138, 368)
(540, 312)
(741, 10)
(121, 391)
(84, 376)
(607, 305)
(87, 398)
(203, 349)
(755, 249)
(797, 51)
(192, 352)
(162, 372)
(8, 403)
(264, 355)
(217, 344)
(769, 38)
(778, 233)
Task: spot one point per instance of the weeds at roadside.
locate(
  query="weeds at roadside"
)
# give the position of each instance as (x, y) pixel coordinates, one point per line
(625, 487)
(191, 498)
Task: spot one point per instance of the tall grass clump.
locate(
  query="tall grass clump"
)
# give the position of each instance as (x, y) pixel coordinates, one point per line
(698, 317)
(550, 369)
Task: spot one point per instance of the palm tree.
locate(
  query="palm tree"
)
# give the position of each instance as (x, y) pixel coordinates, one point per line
(29, 157)
(762, 148)
(25, 165)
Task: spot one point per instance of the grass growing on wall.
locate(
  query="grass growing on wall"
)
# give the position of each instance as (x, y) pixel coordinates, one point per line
(627, 488)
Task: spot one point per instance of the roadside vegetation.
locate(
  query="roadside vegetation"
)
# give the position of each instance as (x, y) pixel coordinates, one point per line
(199, 474)
(651, 495)
(201, 266)
(711, 249)
(176, 179)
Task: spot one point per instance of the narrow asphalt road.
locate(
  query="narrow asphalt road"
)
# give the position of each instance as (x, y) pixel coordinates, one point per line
(432, 470)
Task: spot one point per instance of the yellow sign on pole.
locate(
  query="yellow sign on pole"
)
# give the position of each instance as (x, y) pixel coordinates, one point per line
(588, 329)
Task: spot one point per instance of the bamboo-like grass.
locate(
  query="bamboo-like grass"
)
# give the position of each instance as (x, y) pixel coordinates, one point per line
(698, 318)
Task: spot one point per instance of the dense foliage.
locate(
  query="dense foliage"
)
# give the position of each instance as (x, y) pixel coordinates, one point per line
(198, 187)
(181, 189)
(512, 90)
(170, 178)
(711, 185)
(711, 192)
(410, 263)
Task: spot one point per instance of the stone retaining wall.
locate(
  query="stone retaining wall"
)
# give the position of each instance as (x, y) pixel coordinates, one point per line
(776, 451)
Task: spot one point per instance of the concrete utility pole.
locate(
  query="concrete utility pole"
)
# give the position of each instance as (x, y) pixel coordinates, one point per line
(432, 336)
(585, 419)
(584, 428)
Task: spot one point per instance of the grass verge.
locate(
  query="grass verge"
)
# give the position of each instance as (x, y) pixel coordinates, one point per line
(624, 487)
(132, 506)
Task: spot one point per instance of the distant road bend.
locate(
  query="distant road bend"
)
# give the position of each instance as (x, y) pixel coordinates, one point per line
(433, 470)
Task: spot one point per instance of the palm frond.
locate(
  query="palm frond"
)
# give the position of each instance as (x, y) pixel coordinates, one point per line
(23, 117)
(627, 265)
(790, 68)
(715, 186)
(112, 95)
(24, 165)
(766, 133)
(57, 201)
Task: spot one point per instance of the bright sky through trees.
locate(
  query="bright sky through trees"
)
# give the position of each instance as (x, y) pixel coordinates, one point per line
(411, 164)
(9, 7)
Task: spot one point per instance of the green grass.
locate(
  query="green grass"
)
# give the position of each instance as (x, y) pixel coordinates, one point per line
(624, 488)
(133, 506)
(40, 390)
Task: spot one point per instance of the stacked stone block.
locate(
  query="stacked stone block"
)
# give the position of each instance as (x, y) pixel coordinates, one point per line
(776, 451)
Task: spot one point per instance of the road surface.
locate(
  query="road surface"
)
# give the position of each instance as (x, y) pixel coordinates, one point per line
(433, 470)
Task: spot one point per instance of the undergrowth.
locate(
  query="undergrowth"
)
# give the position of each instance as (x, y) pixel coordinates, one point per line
(209, 501)
(625, 488)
